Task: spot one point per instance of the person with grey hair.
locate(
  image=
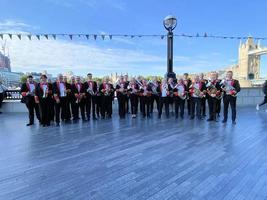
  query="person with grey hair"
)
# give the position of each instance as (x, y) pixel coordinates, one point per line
(3, 89)
(60, 94)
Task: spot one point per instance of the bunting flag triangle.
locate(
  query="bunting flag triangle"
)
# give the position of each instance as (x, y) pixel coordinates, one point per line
(110, 37)
(10, 36)
(19, 36)
(103, 37)
(132, 36)
(54, 36)
(87, 37)
(38, 37)
(95, 36)
(71, 36)
(30, 37)
(162, 37)
(1, 36)
(46, 36)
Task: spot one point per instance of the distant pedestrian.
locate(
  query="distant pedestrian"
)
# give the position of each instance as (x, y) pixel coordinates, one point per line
(264, 89)
(2, 94)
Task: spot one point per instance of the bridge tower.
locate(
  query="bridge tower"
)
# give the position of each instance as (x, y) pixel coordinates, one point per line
(248, 61)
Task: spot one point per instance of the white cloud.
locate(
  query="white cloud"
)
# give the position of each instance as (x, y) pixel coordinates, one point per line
(93, 4)
(13, 26)
(61, 55)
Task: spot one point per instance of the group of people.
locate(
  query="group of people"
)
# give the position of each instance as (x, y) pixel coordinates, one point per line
(64, 101)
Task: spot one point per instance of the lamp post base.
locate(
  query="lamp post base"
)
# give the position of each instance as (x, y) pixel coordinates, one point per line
(170, 75)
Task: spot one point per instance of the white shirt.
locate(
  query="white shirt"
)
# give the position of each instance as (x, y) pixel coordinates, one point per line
(164, 91)
(32, 87)
(196, 87)
(180, 89)
(44, 89)
(62, 89)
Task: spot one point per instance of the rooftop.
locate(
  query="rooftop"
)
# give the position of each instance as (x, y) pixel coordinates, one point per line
(135, 159)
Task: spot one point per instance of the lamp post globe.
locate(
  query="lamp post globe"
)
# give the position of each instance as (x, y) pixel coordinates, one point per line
(170, 23)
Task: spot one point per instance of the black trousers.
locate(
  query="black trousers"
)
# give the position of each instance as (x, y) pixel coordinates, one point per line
(188, 101)
(76, 107)
(1, 99)
(127, 100)
(203, 106)
(228, 99)
(90, 103)
(264, 101)
(164, 101)
(134, 103)
(51, 103)
(195, 106)
(179, 106)
(219, 103)
(98, 105)
(154, 98)
(62, 109)
(32, 106)
(213, 103)
(145, 105)
(122, 105)
(106, 107)
(45, 109)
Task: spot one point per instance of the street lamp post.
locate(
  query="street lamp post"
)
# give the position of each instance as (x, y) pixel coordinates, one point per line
(170, 23)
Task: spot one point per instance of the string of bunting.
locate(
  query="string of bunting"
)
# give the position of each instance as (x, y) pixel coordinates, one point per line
(110, 36)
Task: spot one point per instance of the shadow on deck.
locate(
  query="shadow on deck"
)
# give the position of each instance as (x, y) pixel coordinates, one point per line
(135, 159)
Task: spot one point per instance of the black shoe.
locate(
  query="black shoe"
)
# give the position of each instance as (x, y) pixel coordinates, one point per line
(209, 120)
(57, 124)
(1, 112)
(224, 121)
(44, 125)
(234, 122)
(192, 118)
(94, 118)
(29, 124)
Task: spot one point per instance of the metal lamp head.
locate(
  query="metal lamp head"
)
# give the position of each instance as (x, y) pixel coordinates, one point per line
(170, 22)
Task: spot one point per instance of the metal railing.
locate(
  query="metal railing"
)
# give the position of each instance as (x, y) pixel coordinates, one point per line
(13, 95)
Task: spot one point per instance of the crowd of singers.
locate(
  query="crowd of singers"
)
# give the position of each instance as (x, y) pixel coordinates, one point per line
(65, 101)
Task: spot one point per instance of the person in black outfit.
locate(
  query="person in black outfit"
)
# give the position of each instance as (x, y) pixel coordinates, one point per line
(187, 83)
(204, 99)
(179, 98)
(127, 96)
(61, 91)
(43, 95)
(77, 102)
(145, 98)
(264, 90)
(213, 95)
(121, 91)
(219, 102)
(98, 100)
(90, 89)
(155, 95)
(107, 93)
(230, 87)
(28, 92)
(133, 90)
(196, 91)
(163, 90)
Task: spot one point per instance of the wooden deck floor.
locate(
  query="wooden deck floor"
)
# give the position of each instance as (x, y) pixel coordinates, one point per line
(135, 159)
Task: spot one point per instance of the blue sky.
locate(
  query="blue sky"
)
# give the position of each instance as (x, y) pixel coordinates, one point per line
(135, 56)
